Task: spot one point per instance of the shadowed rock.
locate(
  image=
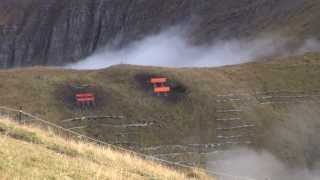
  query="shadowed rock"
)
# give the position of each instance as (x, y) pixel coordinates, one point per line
(56, 32)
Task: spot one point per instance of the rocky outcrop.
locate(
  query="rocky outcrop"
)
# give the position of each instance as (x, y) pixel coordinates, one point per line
(56, 32)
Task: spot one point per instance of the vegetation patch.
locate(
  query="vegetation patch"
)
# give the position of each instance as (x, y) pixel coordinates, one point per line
(19, 134)
(63, 150)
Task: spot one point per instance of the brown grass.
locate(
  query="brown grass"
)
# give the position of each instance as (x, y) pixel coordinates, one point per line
(55, 158)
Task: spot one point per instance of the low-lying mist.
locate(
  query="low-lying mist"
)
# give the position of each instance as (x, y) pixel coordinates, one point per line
(290, 152)
(170, 48)
(243, 162)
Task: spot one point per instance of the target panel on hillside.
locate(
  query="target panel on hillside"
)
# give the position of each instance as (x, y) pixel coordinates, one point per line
(160, 86)
(83, 95)
(85, 99)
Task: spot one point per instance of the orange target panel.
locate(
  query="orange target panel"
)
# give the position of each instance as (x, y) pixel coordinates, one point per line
(158, 80)
(162, 89)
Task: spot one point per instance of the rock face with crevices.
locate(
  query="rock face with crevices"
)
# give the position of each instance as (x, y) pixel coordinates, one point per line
(56, 32)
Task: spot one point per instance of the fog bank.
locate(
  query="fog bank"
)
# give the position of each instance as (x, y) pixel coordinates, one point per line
(295, 139)
(243, 162)
(171, 49)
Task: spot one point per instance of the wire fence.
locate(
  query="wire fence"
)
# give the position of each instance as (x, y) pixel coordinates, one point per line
(26, 118)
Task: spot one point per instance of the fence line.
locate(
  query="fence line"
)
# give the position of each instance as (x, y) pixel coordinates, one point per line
(313, 92)
(21, 116)
(92, 117)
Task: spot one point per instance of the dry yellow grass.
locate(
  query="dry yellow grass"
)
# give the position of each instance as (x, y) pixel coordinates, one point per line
(30, 153)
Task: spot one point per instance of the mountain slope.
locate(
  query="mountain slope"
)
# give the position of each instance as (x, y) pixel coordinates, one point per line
(270, 98)
(56, 32)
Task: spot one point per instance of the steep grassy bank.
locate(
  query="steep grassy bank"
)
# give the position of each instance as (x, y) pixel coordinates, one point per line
(29, 153)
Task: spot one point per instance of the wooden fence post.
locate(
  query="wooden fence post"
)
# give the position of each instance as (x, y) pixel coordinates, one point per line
(20, 114)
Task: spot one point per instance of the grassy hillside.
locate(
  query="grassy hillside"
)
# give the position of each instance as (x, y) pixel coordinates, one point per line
(29, 153)
(266, 95)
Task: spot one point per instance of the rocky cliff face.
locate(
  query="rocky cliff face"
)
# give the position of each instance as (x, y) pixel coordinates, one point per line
(55, 32)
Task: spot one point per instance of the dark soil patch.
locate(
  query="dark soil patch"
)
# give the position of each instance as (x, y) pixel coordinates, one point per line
(178, 90)
(66, 93)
